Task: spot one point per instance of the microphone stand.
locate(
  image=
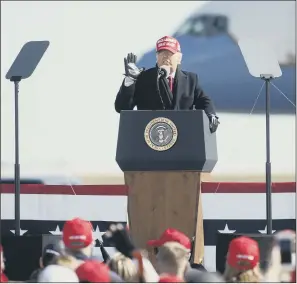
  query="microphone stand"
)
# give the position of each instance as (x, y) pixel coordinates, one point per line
(161, 76)
(158, 88)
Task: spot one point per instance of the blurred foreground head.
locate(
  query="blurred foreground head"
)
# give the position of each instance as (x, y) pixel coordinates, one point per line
(128, 268)
(282, 258)
(50, 253)
(243, 261)
(94, 271)
(124, 267)
(57, 273)
(78, 237)
(172, 259)
(171, 235)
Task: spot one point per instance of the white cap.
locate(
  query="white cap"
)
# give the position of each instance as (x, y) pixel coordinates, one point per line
(57, 273)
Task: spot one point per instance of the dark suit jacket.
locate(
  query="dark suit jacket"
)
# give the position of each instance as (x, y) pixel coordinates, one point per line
(144, 94)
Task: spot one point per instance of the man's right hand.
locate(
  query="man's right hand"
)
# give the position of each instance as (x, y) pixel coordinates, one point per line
(131, 70)
(120, 238)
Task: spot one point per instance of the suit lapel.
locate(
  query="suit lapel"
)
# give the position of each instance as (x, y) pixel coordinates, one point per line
(180, 84)
(166, 93)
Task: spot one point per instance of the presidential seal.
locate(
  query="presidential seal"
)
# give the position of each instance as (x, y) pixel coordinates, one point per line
(160, 134)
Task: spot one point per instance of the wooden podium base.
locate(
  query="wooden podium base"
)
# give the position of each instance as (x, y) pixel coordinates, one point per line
(159, 200)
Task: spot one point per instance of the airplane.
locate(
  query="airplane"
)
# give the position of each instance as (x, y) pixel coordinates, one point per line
(209, 42)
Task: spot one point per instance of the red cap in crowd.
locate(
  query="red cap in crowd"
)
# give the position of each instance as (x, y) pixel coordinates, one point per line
(171, 235)
(93, 271)
(168, 43)
(3, 278)
(170, 279)
(243, 253)
(77, 233)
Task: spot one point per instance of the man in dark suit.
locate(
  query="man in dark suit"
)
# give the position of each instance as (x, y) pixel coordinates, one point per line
(165, 86)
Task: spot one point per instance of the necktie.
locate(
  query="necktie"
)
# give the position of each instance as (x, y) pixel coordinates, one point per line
(170, 81)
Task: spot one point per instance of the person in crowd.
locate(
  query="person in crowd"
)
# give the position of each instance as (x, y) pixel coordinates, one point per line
(282, 258)
(69, 261)
(3, 277)
(165, 86)
(119, 236)
(150, 274)
(96, 272)
(242, 263)
(57, 273)
(172, 259)
(49, 255)
(173, 235)
(78, 238)
(124, 267)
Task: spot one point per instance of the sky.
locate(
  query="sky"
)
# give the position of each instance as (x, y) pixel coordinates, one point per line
(67, 117)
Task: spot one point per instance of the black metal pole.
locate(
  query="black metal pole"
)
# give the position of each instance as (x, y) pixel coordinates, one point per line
(268, 163)
(17, 164)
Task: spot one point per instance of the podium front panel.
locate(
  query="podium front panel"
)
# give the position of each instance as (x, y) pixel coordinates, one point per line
(195, 147)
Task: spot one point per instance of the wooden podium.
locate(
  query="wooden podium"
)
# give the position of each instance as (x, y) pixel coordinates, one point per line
(163, 155)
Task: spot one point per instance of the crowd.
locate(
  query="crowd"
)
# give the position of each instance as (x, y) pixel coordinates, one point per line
(71, 259)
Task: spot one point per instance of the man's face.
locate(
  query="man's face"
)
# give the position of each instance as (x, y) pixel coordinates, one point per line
(166, 57)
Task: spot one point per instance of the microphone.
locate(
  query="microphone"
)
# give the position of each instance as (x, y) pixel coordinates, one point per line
(164, 71)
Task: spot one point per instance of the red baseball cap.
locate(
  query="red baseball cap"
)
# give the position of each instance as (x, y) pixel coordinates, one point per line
(243, 253)
(171, 235)
(168, 43)
(170, 279)
(93, 271)
(77, 233)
